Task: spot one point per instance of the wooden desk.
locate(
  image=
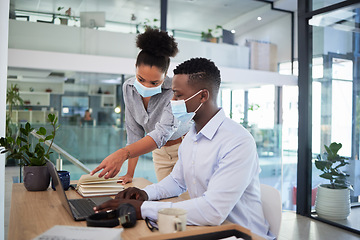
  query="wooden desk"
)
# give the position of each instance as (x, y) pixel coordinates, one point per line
(32, 213)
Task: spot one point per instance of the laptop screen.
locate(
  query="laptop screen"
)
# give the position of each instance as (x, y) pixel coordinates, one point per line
(58, 186)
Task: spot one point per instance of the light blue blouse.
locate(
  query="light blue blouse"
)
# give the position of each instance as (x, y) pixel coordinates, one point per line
(219, 167)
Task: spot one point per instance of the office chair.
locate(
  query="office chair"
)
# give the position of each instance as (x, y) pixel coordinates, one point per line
(272, 207)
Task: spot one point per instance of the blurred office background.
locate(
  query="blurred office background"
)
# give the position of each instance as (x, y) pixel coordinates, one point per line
(70, 56)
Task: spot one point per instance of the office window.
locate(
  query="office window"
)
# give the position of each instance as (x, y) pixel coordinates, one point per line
(333, 92)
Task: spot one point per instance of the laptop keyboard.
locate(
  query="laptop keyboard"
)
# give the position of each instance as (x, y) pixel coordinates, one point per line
(83, 206)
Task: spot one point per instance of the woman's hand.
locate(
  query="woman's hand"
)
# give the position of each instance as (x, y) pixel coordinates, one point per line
(126, 179)
(112, 164)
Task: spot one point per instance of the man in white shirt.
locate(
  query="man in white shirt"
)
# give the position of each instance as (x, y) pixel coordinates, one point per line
(218, 163)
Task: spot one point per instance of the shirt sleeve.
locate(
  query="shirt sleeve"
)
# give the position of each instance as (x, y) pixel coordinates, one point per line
(171, 186)
(134, 131)
(165, 128)
(213, 207)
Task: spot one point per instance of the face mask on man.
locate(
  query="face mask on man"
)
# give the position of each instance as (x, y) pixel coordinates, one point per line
(145, 91)
(179, 110)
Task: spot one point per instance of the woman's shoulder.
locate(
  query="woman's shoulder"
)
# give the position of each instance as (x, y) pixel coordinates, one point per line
(130, 81)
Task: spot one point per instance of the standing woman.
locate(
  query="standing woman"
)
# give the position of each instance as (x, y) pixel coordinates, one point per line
(150, 124)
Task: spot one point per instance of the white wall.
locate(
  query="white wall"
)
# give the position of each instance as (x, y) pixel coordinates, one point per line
(65, 48)
(277, 32)
(4, 16)
(66, 39)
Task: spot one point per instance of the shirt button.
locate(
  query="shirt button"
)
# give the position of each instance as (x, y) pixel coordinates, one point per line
(195, 142)
(194, 181)
(192, 162)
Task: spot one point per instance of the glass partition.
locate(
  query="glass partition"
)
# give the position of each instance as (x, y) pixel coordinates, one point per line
(254, 108)
(335, 94)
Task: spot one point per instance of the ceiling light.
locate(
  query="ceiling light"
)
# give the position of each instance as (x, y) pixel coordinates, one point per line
(233, 31)
(259, 18)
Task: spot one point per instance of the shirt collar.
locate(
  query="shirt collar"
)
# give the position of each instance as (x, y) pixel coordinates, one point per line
(166, 84)
(212, 126)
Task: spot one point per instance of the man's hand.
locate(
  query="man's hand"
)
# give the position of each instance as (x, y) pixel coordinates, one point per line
(126, 179)
(113, 204)
(111, 164)
(133, 193)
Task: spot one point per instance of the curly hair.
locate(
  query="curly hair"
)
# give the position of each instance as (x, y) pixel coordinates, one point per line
(202, 72)
(156, 48)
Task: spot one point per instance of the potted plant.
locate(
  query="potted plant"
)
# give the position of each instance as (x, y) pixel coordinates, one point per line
(212, 35)
(148, 24)
(64, 18)
(33, 158)
(333, 199)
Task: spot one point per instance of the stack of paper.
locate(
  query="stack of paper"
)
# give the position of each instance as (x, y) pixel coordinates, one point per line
(80, 233)
(90, 186)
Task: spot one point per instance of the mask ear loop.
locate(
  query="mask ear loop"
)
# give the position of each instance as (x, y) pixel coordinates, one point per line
(193, 95)
(198, 107)
(200, 103)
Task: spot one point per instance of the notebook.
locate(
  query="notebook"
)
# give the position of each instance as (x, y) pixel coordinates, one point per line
(79, 209)
(93, 186)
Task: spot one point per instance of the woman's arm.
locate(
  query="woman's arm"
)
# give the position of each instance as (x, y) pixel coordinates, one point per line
(127, 178)
(111, 165)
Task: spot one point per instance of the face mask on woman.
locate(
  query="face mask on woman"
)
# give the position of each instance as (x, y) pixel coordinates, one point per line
(145, 91)
(179, 109)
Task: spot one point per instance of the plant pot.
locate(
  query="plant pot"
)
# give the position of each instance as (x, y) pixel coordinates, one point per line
(63, 21)
(36, 178)
(332, 204)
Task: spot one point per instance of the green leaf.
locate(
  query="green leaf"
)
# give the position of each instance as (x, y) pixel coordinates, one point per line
(21, 139)
(36, 161)
(320, 165)
(28, 127)
(42, 131)
(10, 140)
(49, 137)
(335, 147)
(41, 140)
(23, 131)
(51, 117)
(327, 176)
(23, 148)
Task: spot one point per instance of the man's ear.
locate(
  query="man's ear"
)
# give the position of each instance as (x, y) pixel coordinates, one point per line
(205, 95)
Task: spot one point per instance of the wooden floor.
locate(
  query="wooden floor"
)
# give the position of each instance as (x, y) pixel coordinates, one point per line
(293, 226)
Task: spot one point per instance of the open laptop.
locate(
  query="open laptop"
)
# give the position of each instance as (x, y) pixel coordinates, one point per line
(78, 208)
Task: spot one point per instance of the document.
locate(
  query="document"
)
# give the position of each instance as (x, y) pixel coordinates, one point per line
(91, 186)
(80, 233)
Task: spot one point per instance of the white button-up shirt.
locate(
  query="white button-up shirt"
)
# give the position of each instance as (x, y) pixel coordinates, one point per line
(219, 167)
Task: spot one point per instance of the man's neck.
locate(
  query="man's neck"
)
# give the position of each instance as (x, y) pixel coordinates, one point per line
(205, 116)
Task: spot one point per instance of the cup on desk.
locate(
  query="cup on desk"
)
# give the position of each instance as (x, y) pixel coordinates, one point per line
(64, 179)
(171, 220)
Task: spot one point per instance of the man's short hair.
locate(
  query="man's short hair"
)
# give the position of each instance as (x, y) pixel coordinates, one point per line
(202, 74)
